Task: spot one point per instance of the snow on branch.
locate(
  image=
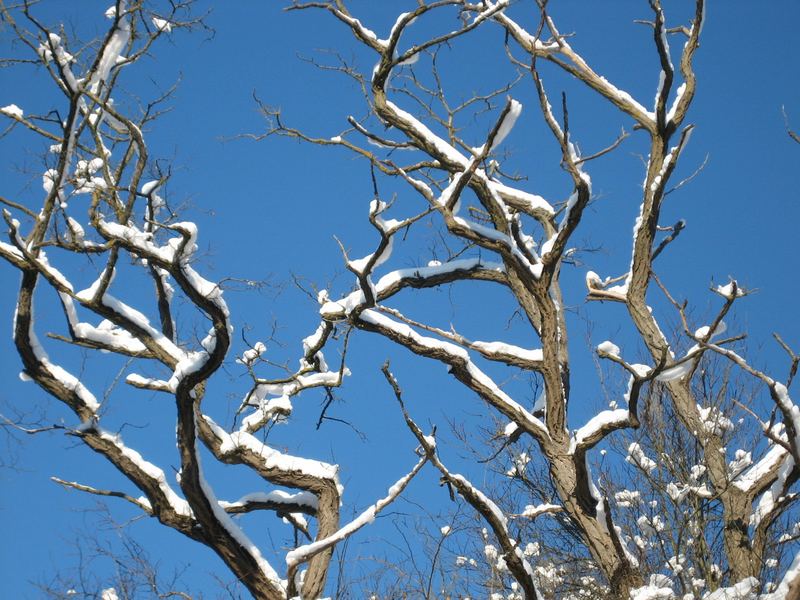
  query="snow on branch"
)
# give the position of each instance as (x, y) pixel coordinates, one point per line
(532, 512)
(161, 499)
(460, 365)
(277, 500)
(269, 461)
(99, 157)
(303, 553)
(789, 582)
(416, 277)
(141, 503)
(85, 143)
(561, 53)
(513, 555)
(313, 372)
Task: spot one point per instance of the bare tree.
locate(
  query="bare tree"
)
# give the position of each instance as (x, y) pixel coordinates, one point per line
(98, 150)
(493, 231)
(508, 236)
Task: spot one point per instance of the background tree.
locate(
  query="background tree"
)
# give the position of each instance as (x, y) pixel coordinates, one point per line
(477, 222)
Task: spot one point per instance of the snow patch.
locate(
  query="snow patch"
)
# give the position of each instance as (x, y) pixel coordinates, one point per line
(507, 124)
(12, 110)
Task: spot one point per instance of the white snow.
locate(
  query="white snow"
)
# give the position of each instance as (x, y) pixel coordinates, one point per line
(661, 79)
(11, 250)
(192, 361)
(702, 332)
(150, 187)
(76, 230)
(88, 186)
(504, 239)
(178, 504)
(593, 281)
(791, 576)
(63, 58)
(250, 355)
(727, 290)
(52, 273)
(303, 553)
(714, 421)
(135, 317)
(608, 347)
(490, 9)
(424, 132)
(637, 457)
(674, 107)
(684, 365)
(529, 42)
(293, 386)
(12, 110)
(507, 124)
(528, 202)
(744, 590)
(677, 372)
(238, 534)
(110, 335)
(788, 407)
(742, 460)
(275, 497)
(501, 349)
(531, 203)
(111, 50)
(109, 594)
(271, 458)
(498, 514)
(641, 371)
(407, 333)
(531, 511)
(68, 380)
(411, 60)
(141, 240)
(464, 264)
(48, 180)
(208, 289)
(162, 24)
(598, 422)
(627, 498)
(137, 380)
(360, 264)
(266, 411)
(89, 167)
(357, 25)
(677, 492)
(397, 23)
(770, 498)
(624, 97)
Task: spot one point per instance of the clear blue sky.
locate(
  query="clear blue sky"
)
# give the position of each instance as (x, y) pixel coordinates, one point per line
(270, 209)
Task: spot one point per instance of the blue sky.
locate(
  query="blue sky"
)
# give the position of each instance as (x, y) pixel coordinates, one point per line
(270, 209)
